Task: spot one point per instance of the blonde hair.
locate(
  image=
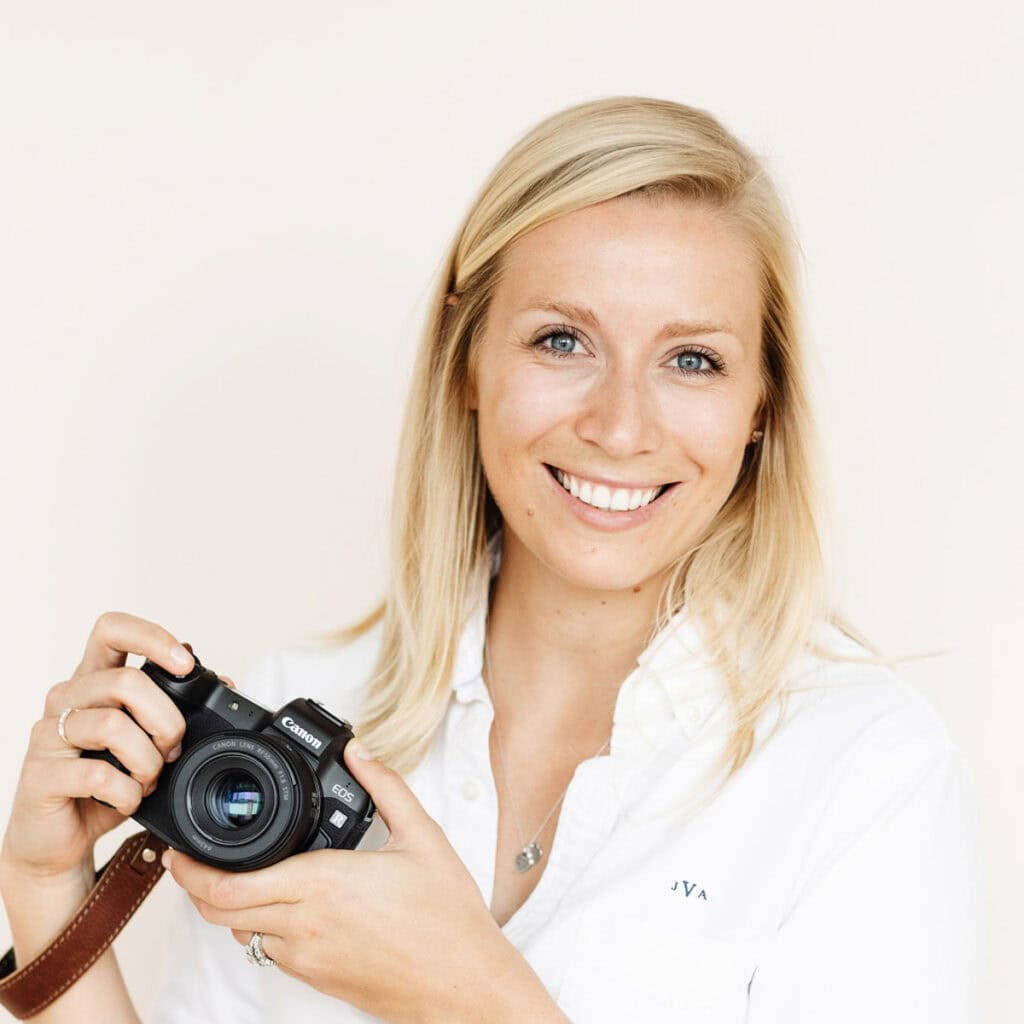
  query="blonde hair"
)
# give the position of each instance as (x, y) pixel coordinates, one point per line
(755, 580)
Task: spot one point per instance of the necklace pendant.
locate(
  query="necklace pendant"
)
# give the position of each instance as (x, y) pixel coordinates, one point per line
(528, 856)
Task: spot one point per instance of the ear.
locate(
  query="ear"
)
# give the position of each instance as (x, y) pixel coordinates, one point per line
(451, 300)
(757, 420)
(470, 391)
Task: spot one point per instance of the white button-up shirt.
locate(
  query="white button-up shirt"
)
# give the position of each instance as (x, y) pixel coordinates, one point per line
(835, 878)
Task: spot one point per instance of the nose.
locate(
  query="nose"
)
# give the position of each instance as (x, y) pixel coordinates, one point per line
(620, 415)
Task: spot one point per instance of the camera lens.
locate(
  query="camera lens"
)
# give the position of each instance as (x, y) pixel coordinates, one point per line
(235, 799)
(231, 798)
(242, 801)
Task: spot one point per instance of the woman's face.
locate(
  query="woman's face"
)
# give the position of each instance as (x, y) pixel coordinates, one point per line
(621, 353)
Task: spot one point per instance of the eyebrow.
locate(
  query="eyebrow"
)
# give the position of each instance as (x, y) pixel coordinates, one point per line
(585, 315)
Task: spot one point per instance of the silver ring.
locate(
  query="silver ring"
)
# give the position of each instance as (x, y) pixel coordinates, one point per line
(254, 952)
(61, 722)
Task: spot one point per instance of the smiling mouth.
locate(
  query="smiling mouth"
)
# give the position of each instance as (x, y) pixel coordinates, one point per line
(608, 499)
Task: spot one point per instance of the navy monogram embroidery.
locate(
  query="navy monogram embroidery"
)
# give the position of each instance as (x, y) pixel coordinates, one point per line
(689, 888)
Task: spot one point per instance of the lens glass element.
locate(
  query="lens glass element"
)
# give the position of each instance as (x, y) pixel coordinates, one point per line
(235, 799)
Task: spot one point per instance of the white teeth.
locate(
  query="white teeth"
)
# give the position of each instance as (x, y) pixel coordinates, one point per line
(600, 496)
(620, 500)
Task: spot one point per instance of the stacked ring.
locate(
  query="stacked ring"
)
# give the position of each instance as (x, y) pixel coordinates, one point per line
(254, 951)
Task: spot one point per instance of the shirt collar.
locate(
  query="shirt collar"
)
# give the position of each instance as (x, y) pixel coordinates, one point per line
(673, 682)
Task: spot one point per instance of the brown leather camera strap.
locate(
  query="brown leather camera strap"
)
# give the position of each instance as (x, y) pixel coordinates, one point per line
(121, 886)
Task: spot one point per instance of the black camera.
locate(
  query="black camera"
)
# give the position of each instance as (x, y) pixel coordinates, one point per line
(252, 786)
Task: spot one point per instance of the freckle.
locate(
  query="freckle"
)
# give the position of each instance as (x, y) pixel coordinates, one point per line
(529, 511)
(636, 589)
(604, 602)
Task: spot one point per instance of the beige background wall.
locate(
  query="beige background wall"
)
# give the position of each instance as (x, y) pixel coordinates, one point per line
(217, 226)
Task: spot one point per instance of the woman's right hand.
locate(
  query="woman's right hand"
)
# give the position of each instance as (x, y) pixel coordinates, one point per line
(54, 820)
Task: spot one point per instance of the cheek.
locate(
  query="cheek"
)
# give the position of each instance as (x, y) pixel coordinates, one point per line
(708, 425)
(517, 409)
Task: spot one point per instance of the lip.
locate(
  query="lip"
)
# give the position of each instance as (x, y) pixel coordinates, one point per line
(608, 521)
(612, 485)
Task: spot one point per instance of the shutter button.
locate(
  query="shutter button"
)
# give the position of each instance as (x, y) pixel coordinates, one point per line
(470, 789)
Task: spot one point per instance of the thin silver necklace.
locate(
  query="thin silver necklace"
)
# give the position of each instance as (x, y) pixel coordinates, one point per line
(531, 852)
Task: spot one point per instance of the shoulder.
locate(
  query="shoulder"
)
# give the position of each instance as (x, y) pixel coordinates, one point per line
(866, 763)
(835, 689)
(335, 675)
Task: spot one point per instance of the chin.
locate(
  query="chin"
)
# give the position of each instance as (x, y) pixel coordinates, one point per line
(598, 566)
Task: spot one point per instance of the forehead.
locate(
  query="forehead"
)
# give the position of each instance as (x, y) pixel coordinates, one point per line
(632, 258)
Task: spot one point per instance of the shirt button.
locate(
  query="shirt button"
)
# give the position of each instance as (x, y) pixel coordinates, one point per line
(470, 789)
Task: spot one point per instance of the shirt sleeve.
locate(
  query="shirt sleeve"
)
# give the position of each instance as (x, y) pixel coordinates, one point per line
(888, 923)
(206, 976)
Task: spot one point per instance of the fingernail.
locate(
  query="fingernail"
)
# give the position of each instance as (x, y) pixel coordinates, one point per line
(150, 789)
(363, 753)
(165, 859)
(174, 753)
(180, 656)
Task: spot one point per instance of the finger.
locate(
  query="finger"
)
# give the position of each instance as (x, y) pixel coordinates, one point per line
(131, 689)
(396, 803)
(272, 918)
(118, 634)
(111, 729)
(55, 780)
(275, 946)
(228, 681)
(229, 890)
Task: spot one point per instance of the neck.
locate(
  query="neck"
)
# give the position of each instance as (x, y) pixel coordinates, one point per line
(559, 650)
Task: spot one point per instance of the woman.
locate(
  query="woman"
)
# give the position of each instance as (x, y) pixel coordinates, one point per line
(702, 798)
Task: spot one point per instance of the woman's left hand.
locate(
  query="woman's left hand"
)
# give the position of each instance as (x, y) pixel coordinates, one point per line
(402, 932)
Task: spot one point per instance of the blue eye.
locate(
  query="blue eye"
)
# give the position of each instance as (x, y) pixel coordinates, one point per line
(694, 356)
(563, 340)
